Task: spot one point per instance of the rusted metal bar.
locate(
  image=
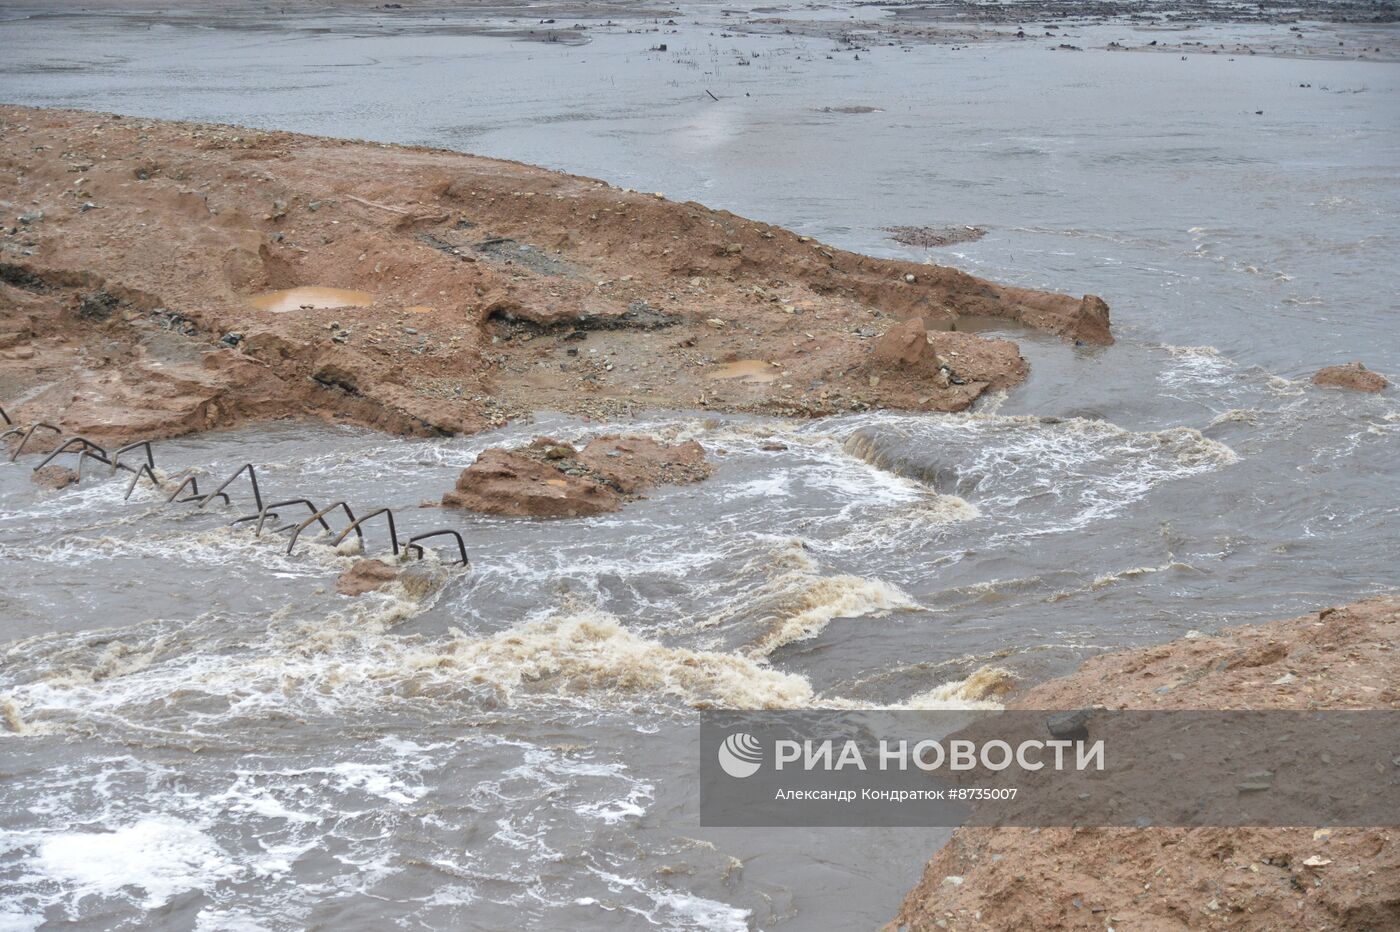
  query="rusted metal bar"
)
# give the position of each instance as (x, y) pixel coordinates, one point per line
(267, 512)
(355, 526)
(117, 454)
(88, 448)
(461, 544)
(30, 433)
(136, 475)
(83, 454)
(317, 517)
(252, 478)
(192, 483)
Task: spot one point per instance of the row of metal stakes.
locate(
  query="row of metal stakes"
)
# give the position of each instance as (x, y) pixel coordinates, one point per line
(86, 450)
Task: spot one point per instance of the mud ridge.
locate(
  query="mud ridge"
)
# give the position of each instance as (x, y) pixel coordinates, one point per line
(487, 290)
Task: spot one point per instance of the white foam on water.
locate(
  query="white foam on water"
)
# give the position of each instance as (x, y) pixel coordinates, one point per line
(1236, 416)
(228, 920)
(578, 656)
(155, 830)
(1106, 580)
(1196, 367)
(797, 601)
(222, 545)
(159, 855)
(769, 487)
(1042, 475)
(620, 809)
(12, 920)
(591, 653)
(904, 526)
(674, 910)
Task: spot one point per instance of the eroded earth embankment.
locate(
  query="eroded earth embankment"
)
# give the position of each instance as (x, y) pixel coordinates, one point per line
(1171, 878)
(159, 278)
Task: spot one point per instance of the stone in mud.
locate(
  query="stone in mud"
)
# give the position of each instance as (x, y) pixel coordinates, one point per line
(550, 479)
(365, 576)
(949, 359)
(97, 305)
(1353, 376)
(591, 313)
(1069, 726)
(970, 358)
(55, 477)
(904, 346)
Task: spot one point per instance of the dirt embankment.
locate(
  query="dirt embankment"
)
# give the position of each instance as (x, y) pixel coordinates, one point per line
(131, 250)
(1163, 879)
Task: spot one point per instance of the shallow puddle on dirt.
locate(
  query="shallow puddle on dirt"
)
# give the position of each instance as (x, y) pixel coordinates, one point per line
(975, 323)
(311, 296)
(747, 370)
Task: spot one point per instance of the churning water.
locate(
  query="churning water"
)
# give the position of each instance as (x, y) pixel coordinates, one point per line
(199, 733)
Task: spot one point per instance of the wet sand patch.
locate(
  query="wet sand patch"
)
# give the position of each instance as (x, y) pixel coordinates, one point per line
(753, 371)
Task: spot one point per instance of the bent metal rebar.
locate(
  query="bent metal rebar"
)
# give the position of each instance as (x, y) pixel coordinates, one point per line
(86, 449)
(24, 440)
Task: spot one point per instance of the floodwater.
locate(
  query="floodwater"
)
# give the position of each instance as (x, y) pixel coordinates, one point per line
(202, 735)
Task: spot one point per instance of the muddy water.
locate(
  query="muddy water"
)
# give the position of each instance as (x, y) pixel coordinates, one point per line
(310, 296)
(201, 734)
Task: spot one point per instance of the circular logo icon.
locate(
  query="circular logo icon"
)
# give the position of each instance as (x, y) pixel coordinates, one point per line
(740, 755)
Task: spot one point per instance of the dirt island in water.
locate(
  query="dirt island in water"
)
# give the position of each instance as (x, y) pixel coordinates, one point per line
(160, 278)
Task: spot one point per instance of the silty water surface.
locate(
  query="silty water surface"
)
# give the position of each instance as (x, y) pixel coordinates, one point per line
(203, 734)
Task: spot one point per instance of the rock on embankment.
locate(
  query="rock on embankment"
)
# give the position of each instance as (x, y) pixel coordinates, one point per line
(552, 479)
(945, 370)
(1171, 878)
(1353, 376)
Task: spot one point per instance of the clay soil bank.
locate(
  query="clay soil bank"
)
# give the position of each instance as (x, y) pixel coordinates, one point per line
(131, 251)
(1172, 879)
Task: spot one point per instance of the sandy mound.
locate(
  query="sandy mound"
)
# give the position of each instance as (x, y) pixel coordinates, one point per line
(1164, 878)
(160, 278)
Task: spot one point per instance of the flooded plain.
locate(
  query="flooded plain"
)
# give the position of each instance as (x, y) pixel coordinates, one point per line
(201, 734)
